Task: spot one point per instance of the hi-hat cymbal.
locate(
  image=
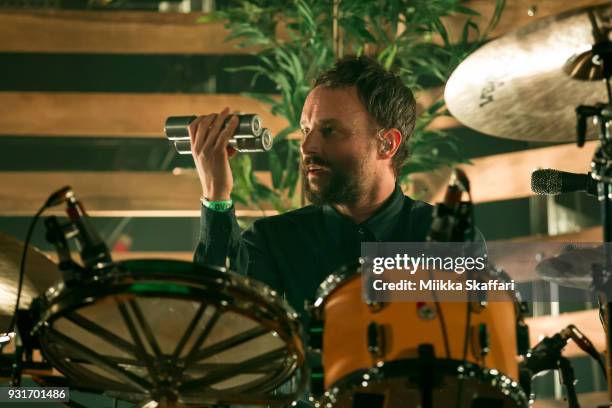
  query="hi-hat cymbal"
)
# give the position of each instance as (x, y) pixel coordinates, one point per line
(515, 87)
(572, 267)
(40, 274)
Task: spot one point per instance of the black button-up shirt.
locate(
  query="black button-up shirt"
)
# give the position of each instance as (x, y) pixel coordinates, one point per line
(295, 251)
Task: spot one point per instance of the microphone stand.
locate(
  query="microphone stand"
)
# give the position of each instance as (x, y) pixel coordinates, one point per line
(601, 166)
(546, 355)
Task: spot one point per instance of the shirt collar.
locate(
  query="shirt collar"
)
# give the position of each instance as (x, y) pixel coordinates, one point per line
(380, 224)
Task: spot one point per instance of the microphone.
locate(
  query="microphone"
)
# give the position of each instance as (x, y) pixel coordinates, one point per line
(450, 218)
(58, 197)
(93, 249)
(551, 182)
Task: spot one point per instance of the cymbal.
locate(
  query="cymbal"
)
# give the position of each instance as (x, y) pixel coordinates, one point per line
(595, 63)
(572, 267)
(519, 259)
(515, 86)
(40, 274)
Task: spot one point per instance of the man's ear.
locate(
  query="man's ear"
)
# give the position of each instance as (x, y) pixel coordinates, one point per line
(389, 142)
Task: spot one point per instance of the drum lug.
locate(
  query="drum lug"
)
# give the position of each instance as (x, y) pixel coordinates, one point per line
(315, 327)
(315, 337)
(317, 381)
(483, 339)
(425, 311)
(374, 307)
(376, 340)
(478, 306)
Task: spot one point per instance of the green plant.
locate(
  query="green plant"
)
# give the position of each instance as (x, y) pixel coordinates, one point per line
(296, 40)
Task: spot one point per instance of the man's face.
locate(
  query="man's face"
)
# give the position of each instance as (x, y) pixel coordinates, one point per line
(338, 146)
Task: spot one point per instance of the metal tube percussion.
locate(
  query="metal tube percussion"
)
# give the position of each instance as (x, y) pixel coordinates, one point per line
(250, 137)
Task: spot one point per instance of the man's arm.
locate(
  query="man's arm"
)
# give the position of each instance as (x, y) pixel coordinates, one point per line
(248, 252)
(220, 236)
(219, 233)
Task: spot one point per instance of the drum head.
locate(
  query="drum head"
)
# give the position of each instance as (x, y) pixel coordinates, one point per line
(170, 330)
(400, 384)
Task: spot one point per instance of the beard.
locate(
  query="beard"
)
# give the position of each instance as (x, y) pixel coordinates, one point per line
(340, 184)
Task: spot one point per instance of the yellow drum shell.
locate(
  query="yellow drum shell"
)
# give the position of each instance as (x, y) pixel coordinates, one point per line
(346, 319)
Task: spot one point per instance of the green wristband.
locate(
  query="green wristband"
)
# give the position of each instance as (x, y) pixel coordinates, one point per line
(221, 206)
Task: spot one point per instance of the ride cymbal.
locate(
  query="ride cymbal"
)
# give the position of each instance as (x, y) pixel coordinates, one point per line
(515, 87)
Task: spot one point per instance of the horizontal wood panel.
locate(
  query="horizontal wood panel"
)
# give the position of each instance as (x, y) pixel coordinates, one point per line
(111, 194)
(112, 32)
(135, 32)
(114, 114)
(506, 176)
(591, 234)
(97, 114)
(499, 177)
(517, 13)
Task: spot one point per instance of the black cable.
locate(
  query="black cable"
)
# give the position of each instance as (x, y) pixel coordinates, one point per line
(443, 327)
(441, 319)
(54, 199)
(468, 321)
(22, 265)
(468, 318)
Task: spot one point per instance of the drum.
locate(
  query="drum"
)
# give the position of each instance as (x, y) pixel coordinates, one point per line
(175, 333)
(397, 354)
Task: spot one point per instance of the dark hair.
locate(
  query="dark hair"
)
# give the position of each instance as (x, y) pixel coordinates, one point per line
(384, 95)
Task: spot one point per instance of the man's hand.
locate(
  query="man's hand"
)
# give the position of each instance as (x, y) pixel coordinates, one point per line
(211, 153)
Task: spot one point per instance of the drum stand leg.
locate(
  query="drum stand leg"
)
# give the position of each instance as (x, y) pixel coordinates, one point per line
(603, 280)
(567, 375)
(426, 362)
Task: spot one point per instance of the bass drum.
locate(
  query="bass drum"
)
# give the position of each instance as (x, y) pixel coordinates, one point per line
(396, 355)
(175, 333)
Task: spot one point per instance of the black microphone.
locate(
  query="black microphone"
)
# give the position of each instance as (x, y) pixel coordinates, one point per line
(551, 182)
(92, 247)
(59, 196)
(448, 219)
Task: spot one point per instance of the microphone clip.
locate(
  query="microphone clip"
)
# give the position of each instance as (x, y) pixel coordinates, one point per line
(93, 251)
(452, 220)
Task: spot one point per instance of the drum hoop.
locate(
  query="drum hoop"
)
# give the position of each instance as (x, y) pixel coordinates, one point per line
(267, 305)
(250, 298)
(498, 380)
(335, 281)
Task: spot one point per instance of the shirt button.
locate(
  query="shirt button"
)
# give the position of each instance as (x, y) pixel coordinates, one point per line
(361, 231)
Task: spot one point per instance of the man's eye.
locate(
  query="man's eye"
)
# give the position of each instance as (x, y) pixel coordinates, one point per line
(327, 131)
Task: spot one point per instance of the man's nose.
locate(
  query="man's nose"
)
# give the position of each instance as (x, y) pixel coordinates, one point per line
(311, 144)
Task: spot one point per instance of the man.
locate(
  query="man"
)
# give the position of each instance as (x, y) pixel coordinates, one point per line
(356, 123)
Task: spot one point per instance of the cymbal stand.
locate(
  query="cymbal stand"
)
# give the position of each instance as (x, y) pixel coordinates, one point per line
(601, 167)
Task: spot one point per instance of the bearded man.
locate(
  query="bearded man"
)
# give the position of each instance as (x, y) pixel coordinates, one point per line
(356, 124)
